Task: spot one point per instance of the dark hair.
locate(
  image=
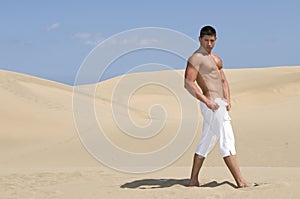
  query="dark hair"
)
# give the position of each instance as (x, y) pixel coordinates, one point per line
(208, 30)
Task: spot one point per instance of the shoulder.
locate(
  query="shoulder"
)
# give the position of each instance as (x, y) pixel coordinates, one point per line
(195, 59)
(218, 60)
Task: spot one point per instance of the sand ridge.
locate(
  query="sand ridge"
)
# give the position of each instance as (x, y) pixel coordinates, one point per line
(42, 156)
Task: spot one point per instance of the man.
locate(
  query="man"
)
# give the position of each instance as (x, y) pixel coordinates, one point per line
(205, 69)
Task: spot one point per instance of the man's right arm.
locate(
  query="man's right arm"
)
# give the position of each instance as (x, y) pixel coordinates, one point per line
(190, 77)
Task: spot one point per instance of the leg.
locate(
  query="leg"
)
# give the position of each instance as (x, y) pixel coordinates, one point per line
(232, 164)
(228, 152)
(198, 161)
(206, 144)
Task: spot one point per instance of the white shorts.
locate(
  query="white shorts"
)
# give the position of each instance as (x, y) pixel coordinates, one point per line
(216, 126)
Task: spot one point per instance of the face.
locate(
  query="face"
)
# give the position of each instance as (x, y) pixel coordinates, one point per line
(208, 42)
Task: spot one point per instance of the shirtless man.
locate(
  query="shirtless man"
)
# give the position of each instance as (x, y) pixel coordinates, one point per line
(205, 69)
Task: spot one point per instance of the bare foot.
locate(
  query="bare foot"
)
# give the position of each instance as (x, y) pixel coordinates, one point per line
(247, 184)
(194, 183)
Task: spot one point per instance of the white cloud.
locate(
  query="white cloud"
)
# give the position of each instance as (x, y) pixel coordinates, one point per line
(136, 41)
(53, 26)
(82, 35)
(18, 42)
(146, 42)
(88, 38)
(94, 39)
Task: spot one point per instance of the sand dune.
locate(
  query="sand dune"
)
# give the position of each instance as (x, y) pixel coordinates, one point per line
(42, 156)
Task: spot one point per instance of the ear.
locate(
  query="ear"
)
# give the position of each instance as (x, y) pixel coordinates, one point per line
(199, 38)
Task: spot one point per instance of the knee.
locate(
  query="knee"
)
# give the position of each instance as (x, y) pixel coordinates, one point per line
(199, 156)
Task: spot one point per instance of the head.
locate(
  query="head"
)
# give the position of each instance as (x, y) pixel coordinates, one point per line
(208, 38)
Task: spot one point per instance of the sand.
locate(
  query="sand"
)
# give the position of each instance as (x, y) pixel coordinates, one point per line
(41, 155)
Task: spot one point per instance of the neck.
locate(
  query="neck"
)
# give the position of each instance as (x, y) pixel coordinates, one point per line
(208, 52)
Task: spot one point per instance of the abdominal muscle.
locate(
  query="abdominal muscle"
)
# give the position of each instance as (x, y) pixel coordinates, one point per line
(211, 85)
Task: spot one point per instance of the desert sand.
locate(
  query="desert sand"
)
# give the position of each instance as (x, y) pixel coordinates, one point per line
(42, 156)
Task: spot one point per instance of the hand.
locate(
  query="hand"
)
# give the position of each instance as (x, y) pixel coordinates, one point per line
(228, 107)
(212, 105)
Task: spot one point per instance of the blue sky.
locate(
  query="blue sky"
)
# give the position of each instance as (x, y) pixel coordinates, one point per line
(51, 39)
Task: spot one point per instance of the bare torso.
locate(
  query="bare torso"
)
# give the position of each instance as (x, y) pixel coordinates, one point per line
(209, 78)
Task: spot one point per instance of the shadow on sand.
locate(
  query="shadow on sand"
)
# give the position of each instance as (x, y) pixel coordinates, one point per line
(164, 183)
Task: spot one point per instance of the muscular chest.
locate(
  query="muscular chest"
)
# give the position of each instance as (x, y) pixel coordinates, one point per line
(208, 66)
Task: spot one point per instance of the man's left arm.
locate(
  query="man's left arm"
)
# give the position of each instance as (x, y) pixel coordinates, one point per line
(226, 89)
(219, 63)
